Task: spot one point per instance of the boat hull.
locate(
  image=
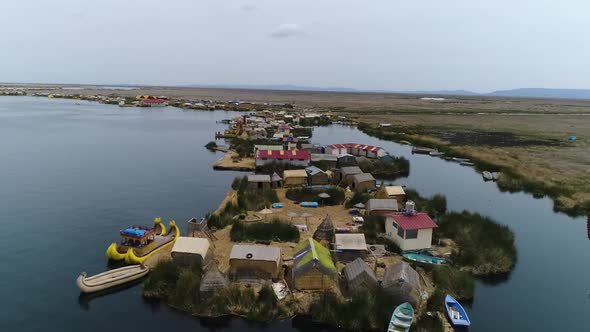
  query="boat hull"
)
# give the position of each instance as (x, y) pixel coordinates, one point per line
(114, 254)
(110, 278)
(402, 318)
(424, 259)
(457, 315)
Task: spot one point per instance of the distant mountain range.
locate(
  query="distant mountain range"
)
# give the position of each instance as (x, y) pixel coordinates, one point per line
(522, 92)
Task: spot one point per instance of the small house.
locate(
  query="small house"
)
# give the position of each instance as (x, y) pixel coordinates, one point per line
(316, 176)
(325, 230)
(410, 231)
(381, 206)
(294, 178)
(363, 182)
(190, 250)
(402, 282)
(344, 160)
(293, 157)
(213, 280)
(313, 268)
(259, 181)
(345, 174)
(359, 275)
(328, 160)
(254, 262)
(260, 147)
(349, 247)
(397, 193)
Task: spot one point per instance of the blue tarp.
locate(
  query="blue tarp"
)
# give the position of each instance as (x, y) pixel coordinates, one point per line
(134, 232)
(318, 187)
(572, 138)
(309, 204)
(277, 205)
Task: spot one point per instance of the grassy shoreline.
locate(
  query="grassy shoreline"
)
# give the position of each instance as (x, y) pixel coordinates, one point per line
(510, 180)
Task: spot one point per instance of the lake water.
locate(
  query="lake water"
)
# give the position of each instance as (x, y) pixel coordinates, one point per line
(73, 174)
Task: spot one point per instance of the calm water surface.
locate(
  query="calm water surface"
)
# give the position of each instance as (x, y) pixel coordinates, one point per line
(72, 175)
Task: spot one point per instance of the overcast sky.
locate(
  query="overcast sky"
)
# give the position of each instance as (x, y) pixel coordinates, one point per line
(390, 44)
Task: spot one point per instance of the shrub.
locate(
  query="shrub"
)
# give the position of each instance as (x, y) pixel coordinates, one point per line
(274, 230)
(449, 280)
(435, 206)
(394, 168)
(211, 145)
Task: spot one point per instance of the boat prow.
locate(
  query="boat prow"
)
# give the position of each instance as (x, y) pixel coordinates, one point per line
(110, 278)
(114, 254)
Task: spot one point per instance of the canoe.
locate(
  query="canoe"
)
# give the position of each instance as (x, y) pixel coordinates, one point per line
(424, 258)
(466, 163)
(401, 319)
(487, 176)
(456, 313)
(436, 153)
(459, 160)
(422, 150)
(110, 278)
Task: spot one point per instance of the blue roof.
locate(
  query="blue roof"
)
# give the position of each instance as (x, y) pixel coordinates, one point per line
(134, 232)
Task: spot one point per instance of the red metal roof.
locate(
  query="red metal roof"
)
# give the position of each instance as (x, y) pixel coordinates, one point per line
(419, 220)
(282, 154)
(154, 101)
(354, 145)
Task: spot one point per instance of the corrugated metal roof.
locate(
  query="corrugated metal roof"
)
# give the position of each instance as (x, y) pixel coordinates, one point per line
(294, 173)
(259, 178)
(256, 253)
(363, 177)
(419, 220)
(351, 242)
(191, 245)
(382, 204)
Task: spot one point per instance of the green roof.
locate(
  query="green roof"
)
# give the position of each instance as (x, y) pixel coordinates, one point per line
(310, 253)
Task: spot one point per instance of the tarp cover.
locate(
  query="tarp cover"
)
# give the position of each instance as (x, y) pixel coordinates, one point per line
(134, 232)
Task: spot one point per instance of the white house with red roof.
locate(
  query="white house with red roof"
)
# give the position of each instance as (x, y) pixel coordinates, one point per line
(359, 150)
(410, 230)
(289, 157)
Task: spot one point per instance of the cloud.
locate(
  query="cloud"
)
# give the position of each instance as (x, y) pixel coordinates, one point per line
(248, 7)
(287, 30)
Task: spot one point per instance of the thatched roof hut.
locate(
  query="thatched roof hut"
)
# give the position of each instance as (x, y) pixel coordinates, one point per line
(359, 274)
(403, 283)
(313, 268)
(212, 280)
(325, 230)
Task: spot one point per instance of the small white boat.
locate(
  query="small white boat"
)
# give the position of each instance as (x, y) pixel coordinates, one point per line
(466, 163)
(436, 153)
(110, 278)
(487, 176)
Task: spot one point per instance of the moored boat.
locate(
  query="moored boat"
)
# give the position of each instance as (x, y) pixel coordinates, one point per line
(110, 278)
(466, 163)
(401, 319)
(459, 160)
(422, 150)
(436, 153)
(456, 313)
(487, 176)
(419, 258)
(138, 243)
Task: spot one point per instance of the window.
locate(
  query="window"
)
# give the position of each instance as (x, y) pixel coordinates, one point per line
(411, 234)
(394, 224)
(400, 232)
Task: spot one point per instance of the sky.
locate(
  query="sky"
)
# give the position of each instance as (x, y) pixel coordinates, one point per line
(370, 45)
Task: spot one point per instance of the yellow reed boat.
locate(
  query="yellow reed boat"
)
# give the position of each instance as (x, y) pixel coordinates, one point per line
(139, 242)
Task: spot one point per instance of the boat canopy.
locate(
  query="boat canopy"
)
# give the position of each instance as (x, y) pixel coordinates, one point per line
(134, 232)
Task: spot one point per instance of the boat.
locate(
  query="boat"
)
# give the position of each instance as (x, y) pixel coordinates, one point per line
(111, 278)
(466, 163)
(460, 160)
(456, 313)
(139, 242)
(422, 150)
(419, 258)
(436, 153)
(402, 318)
(487, 176)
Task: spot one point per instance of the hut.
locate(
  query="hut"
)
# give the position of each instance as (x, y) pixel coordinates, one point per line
(294, 178)
(381, 206)
(325, 230)
(349, 247)
(259, 181)
(410, 230)
(345, 174)
(190, 250)
(345, 160)
(316, 176)
(213, 280)
(359, 275)
(276, 181)
(363, 182)
(313, 268)
(254, 262)
(397, 193)
(328, 160)
(403, 283)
